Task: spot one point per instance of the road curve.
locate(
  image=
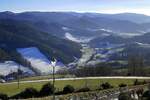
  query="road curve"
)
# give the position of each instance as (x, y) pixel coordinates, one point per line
(78, 78)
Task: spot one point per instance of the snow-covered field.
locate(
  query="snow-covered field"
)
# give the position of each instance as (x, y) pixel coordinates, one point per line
(66, 28)
(38, 60)
(100, 29)
(128, 35)
(8, 67)
(144, 45)
(87, 53)
(69, 36)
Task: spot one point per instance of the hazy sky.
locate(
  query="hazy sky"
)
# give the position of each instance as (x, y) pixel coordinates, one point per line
(100, 6)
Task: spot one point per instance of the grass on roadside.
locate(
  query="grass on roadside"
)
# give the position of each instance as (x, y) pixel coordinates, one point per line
(93, 84)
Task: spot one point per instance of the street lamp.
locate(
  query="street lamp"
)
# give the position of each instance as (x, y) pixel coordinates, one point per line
(53, 63)
(18, 74)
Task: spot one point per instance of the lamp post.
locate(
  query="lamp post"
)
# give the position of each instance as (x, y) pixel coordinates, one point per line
(18, 72)
(53, 62)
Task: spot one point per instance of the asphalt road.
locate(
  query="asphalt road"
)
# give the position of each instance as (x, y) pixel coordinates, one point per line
(78, 78)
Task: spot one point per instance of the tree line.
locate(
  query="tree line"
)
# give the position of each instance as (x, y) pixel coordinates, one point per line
(135, 67)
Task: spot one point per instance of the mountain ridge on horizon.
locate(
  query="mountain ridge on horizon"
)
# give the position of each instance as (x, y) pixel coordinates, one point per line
(73, 12)
(134, 17)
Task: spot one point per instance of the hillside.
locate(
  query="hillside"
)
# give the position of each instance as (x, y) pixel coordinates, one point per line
(16, 34)
(19, 34)
(74, 39)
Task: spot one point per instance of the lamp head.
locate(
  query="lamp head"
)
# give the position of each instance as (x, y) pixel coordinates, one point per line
(53, 61)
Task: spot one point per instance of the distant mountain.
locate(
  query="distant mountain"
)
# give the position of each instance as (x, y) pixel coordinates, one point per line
(111, 39)
(145, 38)
(116, 26)
(80, 23)
(133, 17)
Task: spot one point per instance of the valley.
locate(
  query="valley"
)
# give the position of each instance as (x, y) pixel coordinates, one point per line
(76, 40)
(72, 55)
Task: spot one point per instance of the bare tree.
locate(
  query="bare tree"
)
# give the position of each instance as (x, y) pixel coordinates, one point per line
(136, 66)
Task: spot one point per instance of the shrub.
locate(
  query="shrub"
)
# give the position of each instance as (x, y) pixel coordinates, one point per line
(3, 96)
(59, 93)
(27, 93)
(124, 96)
(68, 89)
(146, 95)
(122, 85)
(144, 82)
(106, 86)
(136, 82)
(148, 86)
(47, 89)
(85, 89)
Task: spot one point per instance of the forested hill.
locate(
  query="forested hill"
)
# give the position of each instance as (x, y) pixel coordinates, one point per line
(19, 34)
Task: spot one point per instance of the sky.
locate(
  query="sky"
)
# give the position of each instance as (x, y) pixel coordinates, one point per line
(98, 6)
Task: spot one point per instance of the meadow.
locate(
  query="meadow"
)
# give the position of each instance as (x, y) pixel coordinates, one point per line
(12, 88)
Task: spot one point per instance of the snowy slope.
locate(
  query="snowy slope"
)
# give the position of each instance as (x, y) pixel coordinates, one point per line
(8, 67)
(78, 40)
(37, 60)
(87, 53)
(144, 45)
